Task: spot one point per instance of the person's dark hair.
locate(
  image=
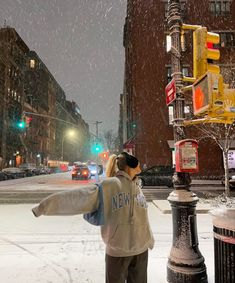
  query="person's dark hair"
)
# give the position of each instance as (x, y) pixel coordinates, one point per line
(120, 162)
(125, 159)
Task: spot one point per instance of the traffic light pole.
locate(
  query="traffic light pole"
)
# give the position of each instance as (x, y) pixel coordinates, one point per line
(185, 263)
(97, 154)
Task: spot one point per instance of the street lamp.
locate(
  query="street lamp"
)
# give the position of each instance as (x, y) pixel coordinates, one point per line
(70, 134)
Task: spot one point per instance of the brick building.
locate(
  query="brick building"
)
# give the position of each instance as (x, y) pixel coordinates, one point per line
(145, 120)
(29, 91)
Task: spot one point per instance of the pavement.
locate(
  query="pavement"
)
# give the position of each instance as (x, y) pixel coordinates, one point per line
(63, 249)
(66, 249)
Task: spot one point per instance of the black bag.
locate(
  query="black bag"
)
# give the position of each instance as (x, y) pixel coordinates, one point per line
(97, 217)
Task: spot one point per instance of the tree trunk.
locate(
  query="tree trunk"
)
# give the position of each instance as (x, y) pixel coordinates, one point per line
(226, 175)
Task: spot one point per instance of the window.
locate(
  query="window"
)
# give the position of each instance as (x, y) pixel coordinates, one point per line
(170, 115)
(220, 7)
(185, 71)
(227, 39)
(32, 63)
(168, 43)
(168, 70)
(187, 113)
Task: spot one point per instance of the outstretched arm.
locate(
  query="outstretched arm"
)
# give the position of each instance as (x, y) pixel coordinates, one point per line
(71, 202)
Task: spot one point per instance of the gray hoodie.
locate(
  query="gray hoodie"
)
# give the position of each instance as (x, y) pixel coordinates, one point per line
(126, 231)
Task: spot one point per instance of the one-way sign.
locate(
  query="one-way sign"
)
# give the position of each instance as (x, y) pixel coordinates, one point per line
(170, 92)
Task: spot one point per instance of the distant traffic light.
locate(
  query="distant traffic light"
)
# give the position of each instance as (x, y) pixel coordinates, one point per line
(28, 121)
(96, 148)
(21, 124)
(204, 52)
(104, 155)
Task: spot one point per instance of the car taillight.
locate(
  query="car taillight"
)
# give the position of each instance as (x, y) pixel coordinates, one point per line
(85, 172)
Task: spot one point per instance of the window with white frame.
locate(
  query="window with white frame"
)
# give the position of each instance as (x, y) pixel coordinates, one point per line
(170, 114)
(168, 43)
(185, 72)
(168, 71)
(187, 113)
(220, 7)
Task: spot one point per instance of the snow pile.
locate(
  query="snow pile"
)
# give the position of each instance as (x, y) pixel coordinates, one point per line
(224, 213)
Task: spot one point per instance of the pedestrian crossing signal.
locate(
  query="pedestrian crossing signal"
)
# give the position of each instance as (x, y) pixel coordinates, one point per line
(201, 99)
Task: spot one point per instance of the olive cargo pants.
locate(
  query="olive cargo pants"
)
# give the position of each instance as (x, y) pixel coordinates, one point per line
(131, 269)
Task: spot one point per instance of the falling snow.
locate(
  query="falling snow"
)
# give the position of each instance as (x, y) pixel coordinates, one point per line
(81, 44)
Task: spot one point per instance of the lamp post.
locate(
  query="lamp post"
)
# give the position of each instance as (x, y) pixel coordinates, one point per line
(70, 133)
(185, 263)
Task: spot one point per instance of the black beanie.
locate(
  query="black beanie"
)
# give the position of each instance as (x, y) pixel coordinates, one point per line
(131, 161)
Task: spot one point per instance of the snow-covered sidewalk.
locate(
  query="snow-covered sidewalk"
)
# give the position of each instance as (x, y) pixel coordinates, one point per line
(67, 249)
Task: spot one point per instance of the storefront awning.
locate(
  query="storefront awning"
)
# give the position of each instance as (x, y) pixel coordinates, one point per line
(129, 144)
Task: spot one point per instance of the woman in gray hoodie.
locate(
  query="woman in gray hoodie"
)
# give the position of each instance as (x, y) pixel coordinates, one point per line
(125, 231)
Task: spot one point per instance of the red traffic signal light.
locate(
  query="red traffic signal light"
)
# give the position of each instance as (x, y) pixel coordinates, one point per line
(104, 155)
(28, 120)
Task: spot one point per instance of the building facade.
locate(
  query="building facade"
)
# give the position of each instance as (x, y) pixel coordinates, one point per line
(145, 126)
(30, 94)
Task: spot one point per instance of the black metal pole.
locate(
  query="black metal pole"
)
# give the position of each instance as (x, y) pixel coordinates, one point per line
(185, 262)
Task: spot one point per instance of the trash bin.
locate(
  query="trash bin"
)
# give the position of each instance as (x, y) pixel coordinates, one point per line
(224, 244)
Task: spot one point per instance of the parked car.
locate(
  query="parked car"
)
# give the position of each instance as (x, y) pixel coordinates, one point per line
(14, 172)
(29, 169)
(231, 177)
(81, 172)
(3, 176)
(44, 170)
(157, 176)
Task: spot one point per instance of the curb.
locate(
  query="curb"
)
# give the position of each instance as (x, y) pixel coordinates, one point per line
(165, 208)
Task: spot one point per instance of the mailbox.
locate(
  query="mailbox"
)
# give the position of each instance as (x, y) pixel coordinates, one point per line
(186, 156)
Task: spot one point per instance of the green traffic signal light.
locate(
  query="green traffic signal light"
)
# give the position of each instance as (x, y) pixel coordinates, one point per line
(96, 148)
(21, 125)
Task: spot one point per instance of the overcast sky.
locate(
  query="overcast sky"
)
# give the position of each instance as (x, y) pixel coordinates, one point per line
(80, 41)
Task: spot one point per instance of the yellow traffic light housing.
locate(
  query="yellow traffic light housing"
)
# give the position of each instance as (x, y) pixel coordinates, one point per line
(208, 94)
(204, 53)
(229, 103)
(212, 98)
